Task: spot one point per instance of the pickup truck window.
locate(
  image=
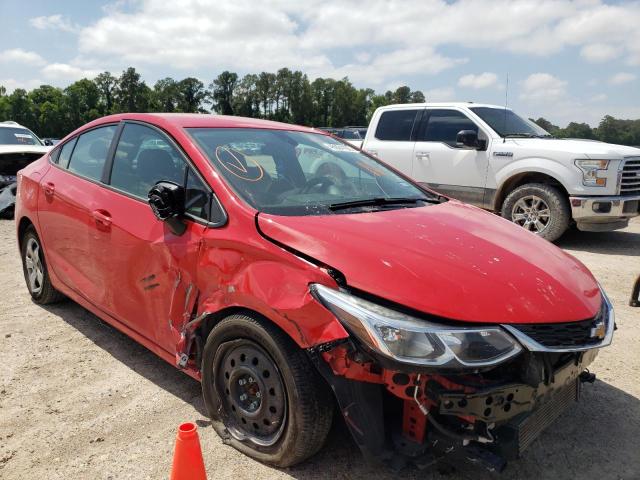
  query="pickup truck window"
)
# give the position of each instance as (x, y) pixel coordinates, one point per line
(505, 122)
(444, 125)
(396, 125)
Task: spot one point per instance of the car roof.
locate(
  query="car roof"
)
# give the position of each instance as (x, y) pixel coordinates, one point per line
(440, 104)
(10, 124)
(200, 120)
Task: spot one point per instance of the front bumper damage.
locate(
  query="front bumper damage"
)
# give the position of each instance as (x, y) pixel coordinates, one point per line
(402, 417)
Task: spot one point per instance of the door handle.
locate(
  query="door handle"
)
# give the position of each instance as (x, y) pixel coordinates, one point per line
(102, 217)
(422, 155)
(49, 188)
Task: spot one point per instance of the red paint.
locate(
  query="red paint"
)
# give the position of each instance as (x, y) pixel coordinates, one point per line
(109, 253)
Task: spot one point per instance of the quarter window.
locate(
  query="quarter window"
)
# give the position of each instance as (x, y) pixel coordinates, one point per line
(396, 125)
(90, 152)
(197, 197)
(444, 125)
(143, 158)
(65, 153)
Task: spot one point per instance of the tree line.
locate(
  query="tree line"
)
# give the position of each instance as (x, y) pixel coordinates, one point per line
(286, 96)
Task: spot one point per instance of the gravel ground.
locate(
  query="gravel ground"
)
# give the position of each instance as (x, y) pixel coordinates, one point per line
(79, 400)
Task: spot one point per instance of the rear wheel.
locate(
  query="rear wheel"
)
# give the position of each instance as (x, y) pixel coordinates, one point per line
(542, 209)
(264, 396)
(35, 270)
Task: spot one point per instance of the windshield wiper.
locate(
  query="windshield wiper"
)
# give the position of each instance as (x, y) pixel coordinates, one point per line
(526, 135)
(372, 202)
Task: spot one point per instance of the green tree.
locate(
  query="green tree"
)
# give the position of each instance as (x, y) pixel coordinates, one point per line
(575, 130)
(546, 124)
(132, 94)
(81, 103)
(222, 89)
(165, 95)
(191, 94)
(107, 85)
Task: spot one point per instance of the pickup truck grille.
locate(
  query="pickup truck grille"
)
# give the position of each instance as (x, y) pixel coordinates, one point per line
(630, 180)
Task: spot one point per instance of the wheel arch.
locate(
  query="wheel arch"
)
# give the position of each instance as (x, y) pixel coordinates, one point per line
(23, 225)
(523, 178)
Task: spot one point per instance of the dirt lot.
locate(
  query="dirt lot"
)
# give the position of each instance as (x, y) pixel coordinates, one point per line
(79, 400)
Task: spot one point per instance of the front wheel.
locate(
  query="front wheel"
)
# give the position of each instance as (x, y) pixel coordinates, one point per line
(542, 209)
(264, 396)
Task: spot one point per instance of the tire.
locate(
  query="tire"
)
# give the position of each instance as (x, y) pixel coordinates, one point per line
(36, 273)
(523, 198)
(294, 405)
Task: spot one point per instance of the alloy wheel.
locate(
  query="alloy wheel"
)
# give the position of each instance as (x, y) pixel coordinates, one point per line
(532, 213)
(35, 268)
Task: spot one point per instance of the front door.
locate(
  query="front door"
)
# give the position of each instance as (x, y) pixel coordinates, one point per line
(439, 163)
(152, 271)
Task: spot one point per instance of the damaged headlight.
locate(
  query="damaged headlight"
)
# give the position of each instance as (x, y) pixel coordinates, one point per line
(411, 340)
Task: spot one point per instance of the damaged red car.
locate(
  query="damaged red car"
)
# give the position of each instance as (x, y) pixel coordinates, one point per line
(291, 273)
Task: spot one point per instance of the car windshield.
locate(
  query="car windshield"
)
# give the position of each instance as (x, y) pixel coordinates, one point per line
(297, 173)
(506, 123)
(18, 136)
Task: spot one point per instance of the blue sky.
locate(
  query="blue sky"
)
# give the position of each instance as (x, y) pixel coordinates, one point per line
(565, 60)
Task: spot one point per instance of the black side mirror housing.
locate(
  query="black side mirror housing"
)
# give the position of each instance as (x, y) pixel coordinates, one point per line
(469, 139)
(166, 200)
(48, 142)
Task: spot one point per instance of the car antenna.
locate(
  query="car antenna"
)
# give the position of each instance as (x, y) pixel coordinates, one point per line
(506, 101)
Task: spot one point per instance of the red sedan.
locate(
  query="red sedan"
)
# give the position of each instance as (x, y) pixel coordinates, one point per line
(288, 271)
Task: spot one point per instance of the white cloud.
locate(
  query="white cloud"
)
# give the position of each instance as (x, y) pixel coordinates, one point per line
(63, 71)
(53, 22)
(441, 94)
(542, 86)
(18, 55)
(599, 52)
(11, 84)
(622, 77)
(482, 80)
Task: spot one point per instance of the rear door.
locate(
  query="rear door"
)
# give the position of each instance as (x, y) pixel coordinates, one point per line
(66, 211)
(439, 163)
(393, 138)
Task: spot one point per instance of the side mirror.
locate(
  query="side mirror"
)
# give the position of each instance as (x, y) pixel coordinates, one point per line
(48, 142)
(468, 138)
(166, 200)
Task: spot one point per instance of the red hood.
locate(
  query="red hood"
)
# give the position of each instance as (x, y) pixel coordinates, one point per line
(451, 260)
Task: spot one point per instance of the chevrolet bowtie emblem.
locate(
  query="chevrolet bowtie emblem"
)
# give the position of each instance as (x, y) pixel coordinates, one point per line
(598, 330)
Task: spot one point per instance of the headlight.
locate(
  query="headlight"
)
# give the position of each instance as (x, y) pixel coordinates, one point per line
(411, 340)
(590, 170)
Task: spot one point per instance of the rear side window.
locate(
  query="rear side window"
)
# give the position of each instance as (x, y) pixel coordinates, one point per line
(143, 158)
(396, 125)
(65, 153)
(90, 153)
(444, 125)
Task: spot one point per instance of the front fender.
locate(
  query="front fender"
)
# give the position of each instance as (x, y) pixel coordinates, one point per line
(567, 175)
(275, 288)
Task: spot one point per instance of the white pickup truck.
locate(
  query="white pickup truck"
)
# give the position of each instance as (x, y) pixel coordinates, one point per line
(491, 157)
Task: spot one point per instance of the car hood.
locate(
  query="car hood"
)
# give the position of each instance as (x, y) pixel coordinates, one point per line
(451, 260)
(588, 148)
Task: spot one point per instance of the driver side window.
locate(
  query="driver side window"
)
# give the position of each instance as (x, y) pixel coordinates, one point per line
(444, 125)
(143, 158)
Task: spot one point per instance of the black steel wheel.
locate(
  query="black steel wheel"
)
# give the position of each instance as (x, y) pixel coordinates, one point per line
(264, 396)
(251, 391)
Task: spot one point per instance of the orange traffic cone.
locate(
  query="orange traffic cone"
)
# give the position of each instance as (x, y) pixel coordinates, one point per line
(187, 457)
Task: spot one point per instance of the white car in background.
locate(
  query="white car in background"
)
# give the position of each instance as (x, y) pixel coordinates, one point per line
(491, 157)
(19, 146)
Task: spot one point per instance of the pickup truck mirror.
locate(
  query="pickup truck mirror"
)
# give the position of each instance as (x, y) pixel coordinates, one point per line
(469, 139)
(167, 200)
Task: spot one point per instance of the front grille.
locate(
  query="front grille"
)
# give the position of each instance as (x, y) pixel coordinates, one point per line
(630, 180)
(562, 335)
(533, 425)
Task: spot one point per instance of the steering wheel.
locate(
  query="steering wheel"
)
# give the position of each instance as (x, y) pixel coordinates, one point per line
(323, 182)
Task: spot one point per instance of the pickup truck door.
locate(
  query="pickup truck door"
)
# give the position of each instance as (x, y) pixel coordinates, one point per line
(458, 172)
(392, 138)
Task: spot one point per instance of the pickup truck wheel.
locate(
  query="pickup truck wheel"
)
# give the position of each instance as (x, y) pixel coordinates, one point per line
(35, 270)
(264, 396)
(540, 208)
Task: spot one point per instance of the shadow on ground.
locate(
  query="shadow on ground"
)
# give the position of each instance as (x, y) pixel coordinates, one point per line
(601, 434)
(621, 242)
